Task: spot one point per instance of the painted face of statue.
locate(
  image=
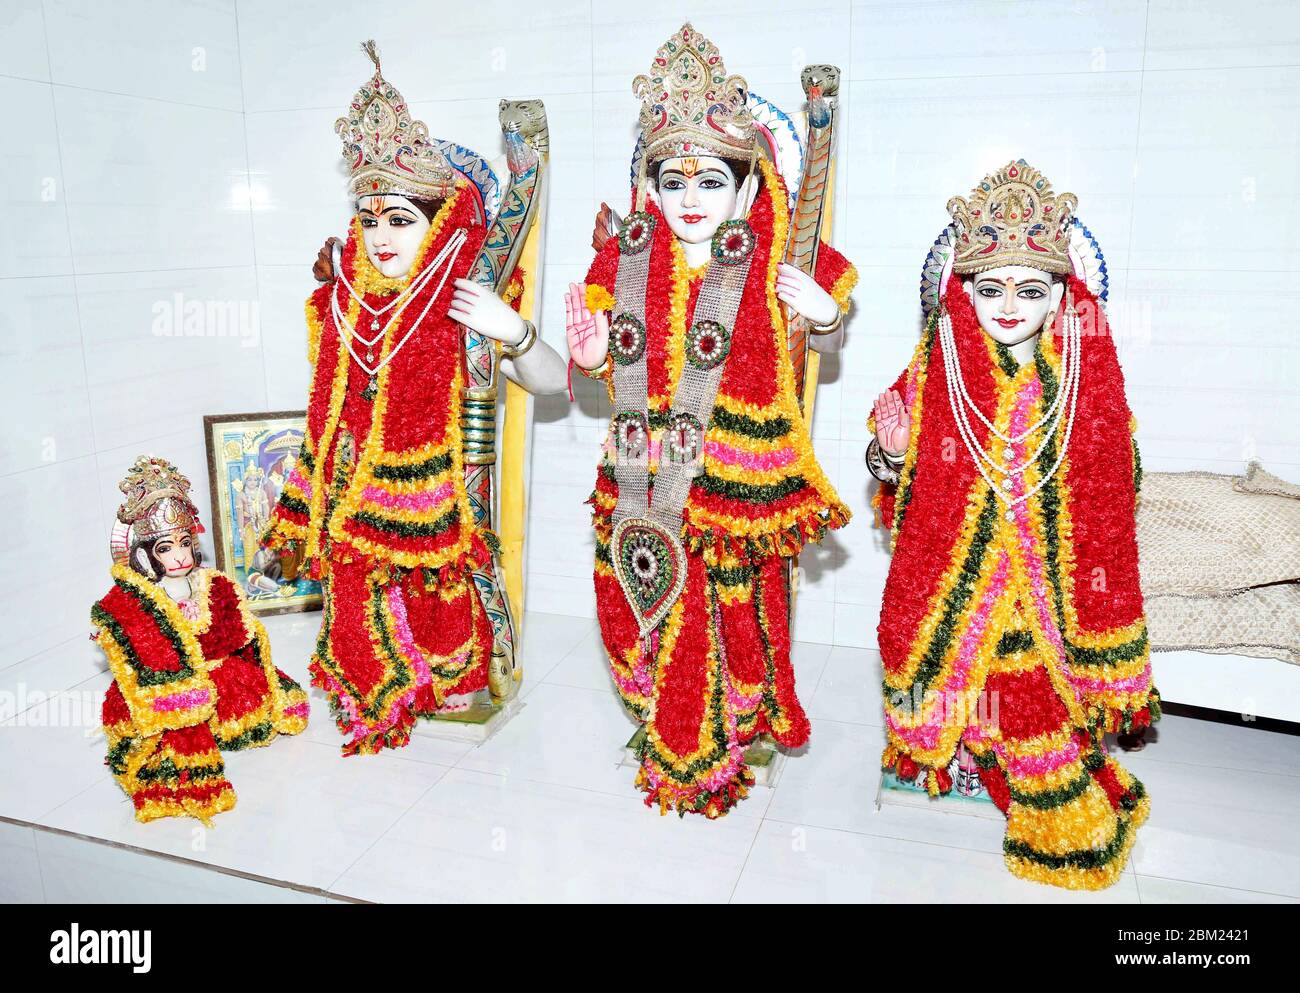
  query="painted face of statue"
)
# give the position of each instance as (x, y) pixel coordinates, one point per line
(174, 552)
(696, 194)
(1012, 302)
(393, 228)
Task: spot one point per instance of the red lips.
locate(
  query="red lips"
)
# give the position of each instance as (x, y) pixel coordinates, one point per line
(385, 256)
(692, 218)
(1009, 322)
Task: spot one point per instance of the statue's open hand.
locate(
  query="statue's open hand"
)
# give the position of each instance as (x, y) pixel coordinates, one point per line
(893, 423)
(800, 292)
(323, 268)
(481, 310)
(587, 332)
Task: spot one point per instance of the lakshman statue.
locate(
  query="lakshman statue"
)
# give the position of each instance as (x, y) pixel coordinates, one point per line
(391, 501)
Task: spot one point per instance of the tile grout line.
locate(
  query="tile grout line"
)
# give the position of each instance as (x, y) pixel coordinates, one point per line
(252, 222)
(72, 256)
(150, 853)
(1137, 150)
(384, 834)
(58, 644)
(1234, 889)
(753, 843)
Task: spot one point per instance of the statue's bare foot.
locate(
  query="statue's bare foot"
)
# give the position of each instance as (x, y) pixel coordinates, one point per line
(456, 702)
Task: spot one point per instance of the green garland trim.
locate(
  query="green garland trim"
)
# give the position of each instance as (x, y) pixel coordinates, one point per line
(1053, 798)
(116, 759)
(1084, 858)
(418, 470)
(166, 770)
(1109, 656)
(741, 424)
(1012, 642)
(750, 492)
(1006, 360)
(404, 528)
(258, 734)
(737, 576)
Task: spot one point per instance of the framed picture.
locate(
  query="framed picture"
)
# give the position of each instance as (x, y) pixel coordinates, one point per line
(249, 458)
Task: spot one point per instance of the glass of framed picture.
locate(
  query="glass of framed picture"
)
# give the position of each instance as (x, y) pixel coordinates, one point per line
(249, 458)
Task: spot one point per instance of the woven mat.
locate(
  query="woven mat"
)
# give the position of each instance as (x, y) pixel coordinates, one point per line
(1220, 559)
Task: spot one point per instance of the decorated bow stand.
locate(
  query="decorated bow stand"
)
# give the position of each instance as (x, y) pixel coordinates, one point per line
(514, 235)
(811, 222)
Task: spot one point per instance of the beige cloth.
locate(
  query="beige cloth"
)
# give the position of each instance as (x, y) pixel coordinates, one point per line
(1220, 560)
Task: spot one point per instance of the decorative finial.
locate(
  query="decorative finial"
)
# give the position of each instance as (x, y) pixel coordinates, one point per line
(371, 49)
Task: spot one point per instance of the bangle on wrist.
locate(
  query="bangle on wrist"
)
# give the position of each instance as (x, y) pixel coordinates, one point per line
(598, 372)
(881, 464)
(830, 328)
(526, 342)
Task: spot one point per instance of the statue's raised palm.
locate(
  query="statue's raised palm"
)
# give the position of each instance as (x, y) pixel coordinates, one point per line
(588, 332)
(893, 423)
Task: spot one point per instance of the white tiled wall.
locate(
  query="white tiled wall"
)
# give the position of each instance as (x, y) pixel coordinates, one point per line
(187, 148)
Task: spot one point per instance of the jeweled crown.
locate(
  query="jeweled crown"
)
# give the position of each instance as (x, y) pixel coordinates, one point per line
(689, 105)
(157, 500)
(386, 150)
(1013, 218)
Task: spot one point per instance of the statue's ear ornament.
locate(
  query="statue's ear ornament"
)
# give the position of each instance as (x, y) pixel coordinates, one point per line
(141, 564)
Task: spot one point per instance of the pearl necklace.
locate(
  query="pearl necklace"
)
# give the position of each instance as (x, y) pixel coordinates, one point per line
(959, 399)
(411, 288)
(348, 332)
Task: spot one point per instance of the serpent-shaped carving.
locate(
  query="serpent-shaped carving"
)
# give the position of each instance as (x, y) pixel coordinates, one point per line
(821, 84)
(523, 123)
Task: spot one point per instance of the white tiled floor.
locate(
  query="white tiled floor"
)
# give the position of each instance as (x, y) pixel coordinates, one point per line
(542, 811)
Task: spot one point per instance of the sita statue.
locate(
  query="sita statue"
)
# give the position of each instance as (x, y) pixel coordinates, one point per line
(1012, 626)
(708, 487)
(391, 500)
(191, 664)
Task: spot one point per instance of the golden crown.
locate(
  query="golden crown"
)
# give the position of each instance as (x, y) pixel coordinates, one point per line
(386, 150)
(1013, 218)
(689, 105)
(157, 500)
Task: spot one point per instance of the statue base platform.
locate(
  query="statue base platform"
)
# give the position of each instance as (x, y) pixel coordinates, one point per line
(477, 723)
(891, 791)
(764, 758)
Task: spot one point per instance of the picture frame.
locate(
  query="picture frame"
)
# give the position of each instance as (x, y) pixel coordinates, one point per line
(260, 448)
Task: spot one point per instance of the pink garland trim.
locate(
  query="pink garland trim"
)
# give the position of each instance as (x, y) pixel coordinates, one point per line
(1039, 765)
(181, 701)
(408, 501)
(297, 479)
(759, 462)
